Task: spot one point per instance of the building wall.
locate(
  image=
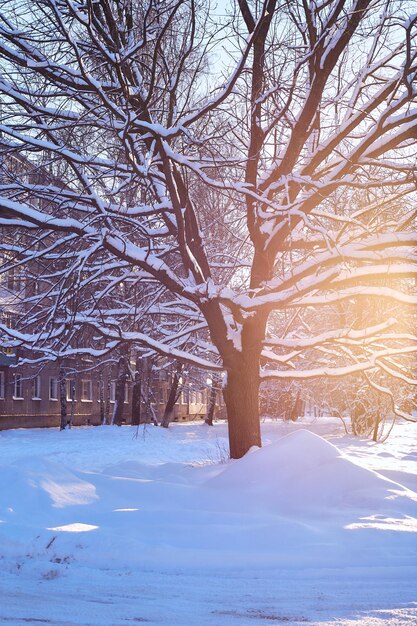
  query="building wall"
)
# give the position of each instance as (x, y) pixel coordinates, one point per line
(43, 410)
(35, 408)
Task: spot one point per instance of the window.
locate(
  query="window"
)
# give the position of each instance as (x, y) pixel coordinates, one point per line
(53, 389)
(36, 388)
(70, 389)
(9, 319)
(17, 387)
(86, 391)
(113, 391)
(6, 352)
(2, 385)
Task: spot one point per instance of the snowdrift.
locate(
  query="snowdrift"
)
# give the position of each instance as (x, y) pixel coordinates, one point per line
(302, 472)
(299, 502)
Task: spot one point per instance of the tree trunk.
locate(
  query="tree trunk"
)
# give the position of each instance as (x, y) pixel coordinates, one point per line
(296, 409)
(107, 407)
(71, 419)
(377, 422)
(63, 398)
(241, 360)
(212, 400)
(101, 397)
(120, 392)
(241, 395)
(146, 375)
(173, 396)
(137, 394)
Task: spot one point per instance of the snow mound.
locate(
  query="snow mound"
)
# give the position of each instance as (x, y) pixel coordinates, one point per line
(167, 472)
(36, 485)
(303, 471)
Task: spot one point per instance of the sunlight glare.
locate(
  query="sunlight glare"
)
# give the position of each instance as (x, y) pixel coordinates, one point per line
(403, 524)
(76, 527)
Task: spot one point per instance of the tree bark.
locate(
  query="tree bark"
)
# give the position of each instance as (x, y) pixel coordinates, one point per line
(241, 396)
(212, 400)
(101, 397)
(241, 362)
(296, 409)
(107, 407)
(137, 394)
(120, 392)
(63, 398)
(173, 396)
(71, 419)
(146, 415)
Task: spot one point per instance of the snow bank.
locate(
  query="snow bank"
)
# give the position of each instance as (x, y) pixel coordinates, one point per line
(302, 472)
(297, 502)
(99, 519)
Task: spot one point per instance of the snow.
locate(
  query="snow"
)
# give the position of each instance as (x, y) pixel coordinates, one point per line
(108, 526)
(304, 474)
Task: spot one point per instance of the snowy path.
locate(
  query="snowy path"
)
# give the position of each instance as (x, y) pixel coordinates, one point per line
(102, 529)
(337, 597)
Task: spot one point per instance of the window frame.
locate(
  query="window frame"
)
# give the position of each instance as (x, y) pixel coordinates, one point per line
(36, 387)
(51, 389)
(18, 382)
(113, 384)
(70, 386)
(84, 398)
(112, 391)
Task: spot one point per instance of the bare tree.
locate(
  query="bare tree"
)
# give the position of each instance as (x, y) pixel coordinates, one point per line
(137, 393)
(308, 143)
(174, 393)
(120, 386)
(211, 405)
(62, 382)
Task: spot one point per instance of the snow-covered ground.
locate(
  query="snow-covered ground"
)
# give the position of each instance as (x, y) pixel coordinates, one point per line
(109, 526)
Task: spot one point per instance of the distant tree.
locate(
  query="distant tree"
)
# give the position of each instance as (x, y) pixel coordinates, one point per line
(173, 395)
(211, 404)
(137, 393)
(307, 143)
(120, 387)
(62, 383)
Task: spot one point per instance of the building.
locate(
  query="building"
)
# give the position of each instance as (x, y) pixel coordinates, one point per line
(80, 390)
